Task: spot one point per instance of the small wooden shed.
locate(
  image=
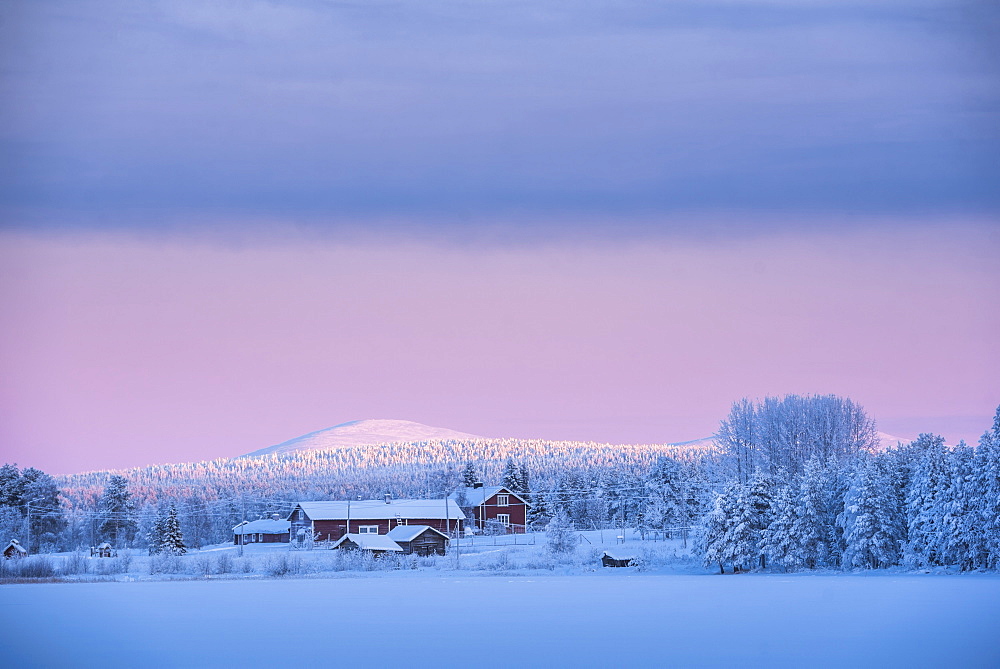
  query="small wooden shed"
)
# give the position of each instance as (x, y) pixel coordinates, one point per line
(104, 550)
(377, 544)
(420, 539)
(14, 550)
(615, 559)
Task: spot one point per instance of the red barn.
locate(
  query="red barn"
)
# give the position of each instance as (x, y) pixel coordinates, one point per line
(329, 521)
(494, 503)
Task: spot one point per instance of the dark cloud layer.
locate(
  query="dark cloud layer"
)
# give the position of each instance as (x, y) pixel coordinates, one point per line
(115, 110)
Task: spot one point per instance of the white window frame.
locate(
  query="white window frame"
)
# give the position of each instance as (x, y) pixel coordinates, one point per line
(503, 500)
(503, 519)
(367, 529)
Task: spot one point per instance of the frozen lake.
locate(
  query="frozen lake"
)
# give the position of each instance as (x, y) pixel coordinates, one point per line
(605, 619)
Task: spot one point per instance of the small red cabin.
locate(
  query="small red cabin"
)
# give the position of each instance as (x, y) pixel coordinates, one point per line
(263, 531)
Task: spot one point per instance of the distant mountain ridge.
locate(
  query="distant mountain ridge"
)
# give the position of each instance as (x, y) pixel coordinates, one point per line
(373, 431)
(365, 433)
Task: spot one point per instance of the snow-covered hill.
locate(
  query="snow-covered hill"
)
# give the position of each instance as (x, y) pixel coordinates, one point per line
(363, 433)
(887, 441)
(384, 431)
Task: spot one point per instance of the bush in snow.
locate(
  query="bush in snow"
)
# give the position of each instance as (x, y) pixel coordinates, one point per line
(202, 565)
(283, 565)
(559, 535)
(165, 564)
(224, 564)
(30, 567)
(76, 563)
(115, 565)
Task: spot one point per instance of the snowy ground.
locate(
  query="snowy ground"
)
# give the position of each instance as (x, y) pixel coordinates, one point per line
(523, 554)
(609, 618)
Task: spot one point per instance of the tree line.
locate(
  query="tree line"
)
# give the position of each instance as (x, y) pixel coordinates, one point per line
(796, 482)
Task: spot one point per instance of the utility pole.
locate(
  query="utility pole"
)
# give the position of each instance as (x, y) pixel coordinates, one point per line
(31, 531)
(243, 534)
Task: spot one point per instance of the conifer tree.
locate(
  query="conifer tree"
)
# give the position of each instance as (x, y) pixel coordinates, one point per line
(986, 491)
(715, 533)
(538, 513)
(511, 478)
(813, 525)
(871, 536)
(172, 542)
(117, 511)
(469, 475)
(758, 501)
(780, 543)
(154, 539)
(926, 503)
(958, 514)
(743, 545)
(47, 520)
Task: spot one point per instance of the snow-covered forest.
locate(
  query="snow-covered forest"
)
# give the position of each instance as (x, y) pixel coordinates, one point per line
(792, 483)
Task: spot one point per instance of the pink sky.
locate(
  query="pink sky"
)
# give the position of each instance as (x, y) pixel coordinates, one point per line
(121, 350)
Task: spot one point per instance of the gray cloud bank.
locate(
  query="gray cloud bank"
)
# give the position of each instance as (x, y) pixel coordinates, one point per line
(463, 109)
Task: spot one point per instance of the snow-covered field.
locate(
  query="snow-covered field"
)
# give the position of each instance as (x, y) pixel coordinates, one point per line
(610, 618)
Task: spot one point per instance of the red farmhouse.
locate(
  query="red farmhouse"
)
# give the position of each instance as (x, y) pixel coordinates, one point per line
(328, 521)
(494, 503)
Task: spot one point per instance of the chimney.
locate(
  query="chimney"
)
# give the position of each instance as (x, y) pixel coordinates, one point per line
(275, 516)
(388, 498)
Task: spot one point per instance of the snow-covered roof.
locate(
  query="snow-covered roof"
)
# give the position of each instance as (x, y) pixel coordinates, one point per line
(477, 496)
(263, 526)
(377, 509)
(105, 545)
(411, 532)
(16, 545)
(615, 555)
(371, 542)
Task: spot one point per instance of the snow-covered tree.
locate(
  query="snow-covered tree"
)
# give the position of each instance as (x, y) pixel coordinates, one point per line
(43, 507)
(469, 475)
(985, 485)
(871, 535)
(511, 478)
(11, 487)
(172, 539)
(926, 502)
(813, 524)
(778, 539)
(560, 537)
(117, 512)
(667, 497)
(780, 434)
(538, 513)
(198, 526)
(156, 532)
(750, 516)
(714, 538)
(959, 526)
